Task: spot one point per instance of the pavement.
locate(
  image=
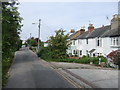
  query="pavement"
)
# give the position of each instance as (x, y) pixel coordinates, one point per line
(90, 76)
(77, 66)
(27, 71)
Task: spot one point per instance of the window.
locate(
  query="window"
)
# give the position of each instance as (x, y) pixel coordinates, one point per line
(93, 54)
(87, 53)
(80, 52)
(74, 51)
(114, 41)
(79, 41)
(99, 42)
(117, 42)
(86, 41)
(73, 42)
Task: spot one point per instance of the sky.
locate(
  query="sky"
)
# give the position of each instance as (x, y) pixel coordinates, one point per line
(65, 15)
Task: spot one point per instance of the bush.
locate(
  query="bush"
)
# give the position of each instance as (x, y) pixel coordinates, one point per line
(115, 56)
(47, 55)
(103, 59)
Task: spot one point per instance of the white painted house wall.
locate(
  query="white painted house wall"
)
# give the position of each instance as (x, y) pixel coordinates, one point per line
(79, 46)
(106, 44)
(104, 49)
(72, 47)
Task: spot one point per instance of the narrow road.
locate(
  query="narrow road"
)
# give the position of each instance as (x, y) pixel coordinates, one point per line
(28, 72)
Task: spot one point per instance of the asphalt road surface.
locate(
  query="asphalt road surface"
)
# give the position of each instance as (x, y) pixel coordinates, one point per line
(28, 72)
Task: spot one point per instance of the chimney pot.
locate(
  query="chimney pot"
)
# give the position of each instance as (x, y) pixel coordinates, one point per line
(90, 28)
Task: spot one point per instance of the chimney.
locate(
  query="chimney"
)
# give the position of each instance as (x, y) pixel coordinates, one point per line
(79, 32)
(115, 22)
(72, 31)
(90, 28)
(82, 30)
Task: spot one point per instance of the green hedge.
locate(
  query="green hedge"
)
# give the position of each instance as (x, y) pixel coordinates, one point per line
(85, 60)
(46, 54)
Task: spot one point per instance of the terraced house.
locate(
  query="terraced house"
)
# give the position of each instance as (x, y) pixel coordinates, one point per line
(96, 41)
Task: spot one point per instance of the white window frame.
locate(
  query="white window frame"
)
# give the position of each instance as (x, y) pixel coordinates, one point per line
(114, 41)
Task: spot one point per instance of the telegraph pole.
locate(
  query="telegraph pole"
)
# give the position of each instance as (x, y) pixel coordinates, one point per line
(39, 34)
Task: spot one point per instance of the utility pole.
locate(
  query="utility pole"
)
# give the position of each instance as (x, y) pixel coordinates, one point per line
(39, 34)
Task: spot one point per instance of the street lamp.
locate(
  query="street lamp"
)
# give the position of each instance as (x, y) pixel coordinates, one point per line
(38, 32)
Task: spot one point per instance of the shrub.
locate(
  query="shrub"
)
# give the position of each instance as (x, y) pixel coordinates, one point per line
(103, 59)
(84, 56)
(45, 53)
(115, 56)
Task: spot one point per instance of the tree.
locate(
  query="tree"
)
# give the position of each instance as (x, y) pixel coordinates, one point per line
(58, 44)
(11, 28)
(33, 42)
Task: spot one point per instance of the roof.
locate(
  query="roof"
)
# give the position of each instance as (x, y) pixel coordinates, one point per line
(82, 36)
(98, 32)
(71, 35)
(112, 33)
(104, 31)
(92, 50)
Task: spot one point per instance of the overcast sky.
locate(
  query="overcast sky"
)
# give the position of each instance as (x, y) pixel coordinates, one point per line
(66, 15)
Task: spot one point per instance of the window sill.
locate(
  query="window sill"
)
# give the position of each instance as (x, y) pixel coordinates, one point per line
(115, 46)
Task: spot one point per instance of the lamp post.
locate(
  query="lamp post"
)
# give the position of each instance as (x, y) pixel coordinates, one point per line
(38, 33)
